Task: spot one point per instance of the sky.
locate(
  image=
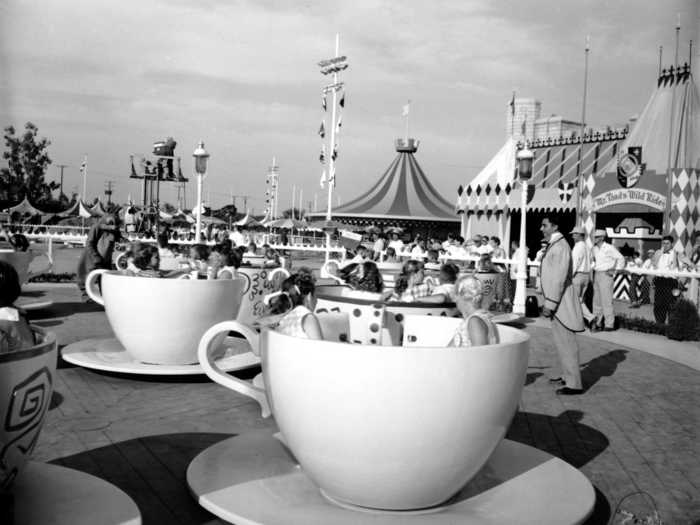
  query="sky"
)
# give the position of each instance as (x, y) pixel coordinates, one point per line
(108, 78)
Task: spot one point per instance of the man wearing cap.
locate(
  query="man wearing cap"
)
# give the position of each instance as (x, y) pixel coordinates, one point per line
(606, 262)
(581, 268)
(561, 305)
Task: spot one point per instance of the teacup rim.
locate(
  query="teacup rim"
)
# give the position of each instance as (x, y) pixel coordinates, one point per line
(45, 346)
(358, 300)
(520, 337)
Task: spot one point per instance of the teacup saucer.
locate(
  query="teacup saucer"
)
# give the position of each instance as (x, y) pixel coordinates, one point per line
(110, 356)
(253, 479)
(506, 318)
(46, 493)
(28, 304)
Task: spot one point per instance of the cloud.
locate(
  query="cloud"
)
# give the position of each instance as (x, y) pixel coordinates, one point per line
(243, 76)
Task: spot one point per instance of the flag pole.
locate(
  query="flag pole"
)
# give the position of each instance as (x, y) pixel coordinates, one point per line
(408, 107)
(579, 165)
(331, 151)
(669, 176)
(85, 163)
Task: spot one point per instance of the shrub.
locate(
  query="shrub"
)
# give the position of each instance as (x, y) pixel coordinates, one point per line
(683, 321)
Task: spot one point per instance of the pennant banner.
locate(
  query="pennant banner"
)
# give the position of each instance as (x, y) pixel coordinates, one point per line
(335, 152)
(340, 123)
(324, 104)
(342, 100)
(322, 129)
(322, 156)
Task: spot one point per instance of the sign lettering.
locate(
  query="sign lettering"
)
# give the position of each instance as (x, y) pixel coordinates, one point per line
(648, 198)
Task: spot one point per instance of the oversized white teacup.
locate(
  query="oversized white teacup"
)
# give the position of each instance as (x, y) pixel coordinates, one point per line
(26, 385)
(386, 427)
(161, 321)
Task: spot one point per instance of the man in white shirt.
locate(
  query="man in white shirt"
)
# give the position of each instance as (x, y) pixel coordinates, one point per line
(606, 262)
(581, 269)
(668, 260)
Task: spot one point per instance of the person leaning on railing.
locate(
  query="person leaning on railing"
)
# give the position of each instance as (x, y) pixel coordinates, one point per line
(666, 260)
(606, 262)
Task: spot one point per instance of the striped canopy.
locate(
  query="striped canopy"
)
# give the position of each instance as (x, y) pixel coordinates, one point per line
(403, 192)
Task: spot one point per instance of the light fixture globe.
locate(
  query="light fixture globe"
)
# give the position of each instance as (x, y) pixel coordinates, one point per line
(200, 159)
(525, 159)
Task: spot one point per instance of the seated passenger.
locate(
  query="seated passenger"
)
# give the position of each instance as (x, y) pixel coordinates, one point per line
(363, 276)
(231, 262)
(146, 261)
(199, 255)
(444, 292)
(15, 333)
(296, 303)
(360, 254)
(271, 257)
(390, 255)
(412, 284)
(163, 249)
(476, 329)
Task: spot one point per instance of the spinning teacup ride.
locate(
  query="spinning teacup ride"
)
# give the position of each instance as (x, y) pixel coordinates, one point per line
(158, 324)
(33, 492)
(408, 433)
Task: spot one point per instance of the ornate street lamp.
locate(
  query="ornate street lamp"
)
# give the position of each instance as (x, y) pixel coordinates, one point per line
(525, 158)
(200, 167)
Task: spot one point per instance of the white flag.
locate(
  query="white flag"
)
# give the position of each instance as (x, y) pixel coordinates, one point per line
(323, 179)
(406, 109)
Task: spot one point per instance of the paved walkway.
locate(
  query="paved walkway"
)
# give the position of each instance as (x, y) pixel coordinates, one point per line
(634, 429)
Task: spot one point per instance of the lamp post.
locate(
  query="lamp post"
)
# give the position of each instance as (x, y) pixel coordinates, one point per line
(525, 158)
(200, 167)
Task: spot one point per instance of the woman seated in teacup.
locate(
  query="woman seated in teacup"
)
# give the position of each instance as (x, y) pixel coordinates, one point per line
(292, 307)
(477, 328)
(15, 333)
(231, 261)
(362, 276)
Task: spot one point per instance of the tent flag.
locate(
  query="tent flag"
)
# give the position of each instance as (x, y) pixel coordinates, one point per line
(342, 100)
(322, 129)
(340, 123)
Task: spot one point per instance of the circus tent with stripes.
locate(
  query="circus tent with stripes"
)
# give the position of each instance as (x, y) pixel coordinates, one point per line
(646, 176)
(403, 195)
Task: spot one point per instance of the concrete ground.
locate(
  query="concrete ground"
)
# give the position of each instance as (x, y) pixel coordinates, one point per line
(635, 428)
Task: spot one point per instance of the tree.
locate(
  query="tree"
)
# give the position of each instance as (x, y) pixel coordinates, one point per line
(27, 160)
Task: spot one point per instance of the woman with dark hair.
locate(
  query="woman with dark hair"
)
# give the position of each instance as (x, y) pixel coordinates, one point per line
(363, 276)
(99, 247)
(296, 302)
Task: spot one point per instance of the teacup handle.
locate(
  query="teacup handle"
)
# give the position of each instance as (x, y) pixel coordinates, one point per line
(273, 273)
(206, 348)
(91, 287)
(324, 269)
